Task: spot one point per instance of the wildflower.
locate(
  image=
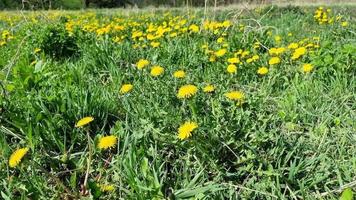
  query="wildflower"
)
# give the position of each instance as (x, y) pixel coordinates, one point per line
(107, 142)
(84, 121)
(17, 156)
(255, 57)
(220, 40)
(277, 38)
(179, 74)
(157, 70)
(293, 45)
(298, 53)
(344, 24)
(274, 61)
(231, 69)
(220, 52)
(126, 88)
(250, 60)
(142, 63)
(235, 95)
(186, 129)
(37, 50)
(155, 44)
(307, 68)
(209, 88)
(187, 91)
(233, 60)
(194, 28)
(262, 70)
(106, 188)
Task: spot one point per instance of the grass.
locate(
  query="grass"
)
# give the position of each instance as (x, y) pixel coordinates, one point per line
(292, 136)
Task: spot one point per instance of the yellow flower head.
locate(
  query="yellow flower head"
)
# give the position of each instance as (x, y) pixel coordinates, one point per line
(17, 156)
(293, 45)
(299, 52)
(84, 121)
(231, 69)
(220, 52)
(106, 188)
(37, 50)
(274, 61)
(179, 74)
(209, 88)
(107, 142)
(233, 60)
(344, 24)
(157, 70)
(235, 95)
(155, 44)
(187, 91)
(186, 129)
(307, 68)
(142, 63)
(262, 70)
(126, 88)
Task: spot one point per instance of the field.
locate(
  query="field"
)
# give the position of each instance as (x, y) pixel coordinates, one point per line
(188, 103)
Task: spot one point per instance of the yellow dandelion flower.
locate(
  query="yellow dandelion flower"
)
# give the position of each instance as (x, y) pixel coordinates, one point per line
(157, 70)
(106, 188)
(209, 88)
(235, 95)
(126, 88)
(262, 70)
(233, 60)
(307, 68)
(299, 52)
(274, 61)
(194, 28)
(293, 45)
(220, 52)
(187, 91)
(186, 129)
(107, 142)
(344, 24)
(231, 69)
(220, 40)
(37, 50)
(17, 156)
(179, 74)
(155, 44)
(84, 121)
(142, 63)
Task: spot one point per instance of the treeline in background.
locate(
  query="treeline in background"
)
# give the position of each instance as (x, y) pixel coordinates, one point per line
(78, 4)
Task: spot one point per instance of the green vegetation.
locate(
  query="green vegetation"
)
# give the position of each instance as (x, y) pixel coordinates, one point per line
(276, 122)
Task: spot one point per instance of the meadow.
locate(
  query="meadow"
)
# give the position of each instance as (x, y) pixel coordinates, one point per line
(186, 103)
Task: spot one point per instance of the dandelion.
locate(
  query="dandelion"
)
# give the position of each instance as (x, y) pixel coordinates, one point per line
(107, 142)
(157, 70)
(262, 70)
(179, 74)
(233, 60)
(220, 40)
(126, 88)
(307, 68)
(186, 129)
(209, 88)
(293, 45)
(106, 188)
(37, 50)
(84, 121)
(155, 44)
(187, 91)
(299, 52)
(220, 52)
(274, 61)
(344, 24)
(17, 156)
(194, 28)
(231, 69)
(235, 95)
(142, 63)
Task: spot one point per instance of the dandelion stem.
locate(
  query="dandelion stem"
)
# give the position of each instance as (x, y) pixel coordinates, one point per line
(88, 161)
